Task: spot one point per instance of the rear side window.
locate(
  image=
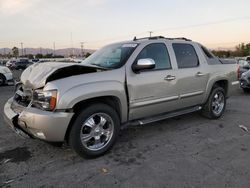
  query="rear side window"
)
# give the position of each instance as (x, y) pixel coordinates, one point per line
(207, 53)
(185, 55)
(158, 52)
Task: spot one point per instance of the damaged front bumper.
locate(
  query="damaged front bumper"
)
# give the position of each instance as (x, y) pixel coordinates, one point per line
(36, 123)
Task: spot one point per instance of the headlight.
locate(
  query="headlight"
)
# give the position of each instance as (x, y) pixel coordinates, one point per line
(45, 99)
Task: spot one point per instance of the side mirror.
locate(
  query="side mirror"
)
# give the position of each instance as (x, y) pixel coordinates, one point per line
(143, 64)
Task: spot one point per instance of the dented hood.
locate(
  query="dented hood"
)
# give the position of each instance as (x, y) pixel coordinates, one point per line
(37, 75)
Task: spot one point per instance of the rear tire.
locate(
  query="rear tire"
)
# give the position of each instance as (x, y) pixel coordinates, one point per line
(216, 104)
(2, 80)
(94, 130)
(246, 90)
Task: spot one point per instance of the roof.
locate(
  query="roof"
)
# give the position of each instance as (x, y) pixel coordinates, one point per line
(160, 37)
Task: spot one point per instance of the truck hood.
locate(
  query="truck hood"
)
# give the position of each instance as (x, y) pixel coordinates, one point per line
(38, 74)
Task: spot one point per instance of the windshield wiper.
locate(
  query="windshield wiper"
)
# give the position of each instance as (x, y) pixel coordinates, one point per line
(101, 67)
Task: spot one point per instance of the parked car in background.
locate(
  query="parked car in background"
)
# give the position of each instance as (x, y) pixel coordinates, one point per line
(35, 60)
(10, 64)
(245, 81)
(22, 64)
(248, 58)
(6, 75)
(244, 66)
(3, 61)
(134, 82)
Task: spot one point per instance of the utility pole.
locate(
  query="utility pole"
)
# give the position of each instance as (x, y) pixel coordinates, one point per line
(150, 33)
(22, 48)
(82, 43)
(54, 47)
(72, 46)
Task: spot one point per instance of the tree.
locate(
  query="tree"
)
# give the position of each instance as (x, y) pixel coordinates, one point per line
(241, 50)
(48, 56)
(39, 56)
(29, 56)
(58, 56)
(87, 54)
(15, 52)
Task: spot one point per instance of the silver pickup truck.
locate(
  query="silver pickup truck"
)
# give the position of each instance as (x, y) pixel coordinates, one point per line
(133, 82)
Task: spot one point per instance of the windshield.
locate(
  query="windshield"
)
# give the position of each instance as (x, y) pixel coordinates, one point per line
(111, 56)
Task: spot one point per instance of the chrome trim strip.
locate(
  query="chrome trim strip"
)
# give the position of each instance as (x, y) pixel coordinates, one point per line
(154, 101)
(235, 83)
(191, 94)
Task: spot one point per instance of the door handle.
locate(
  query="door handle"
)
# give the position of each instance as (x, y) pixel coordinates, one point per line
(199, 74)
(169, 78)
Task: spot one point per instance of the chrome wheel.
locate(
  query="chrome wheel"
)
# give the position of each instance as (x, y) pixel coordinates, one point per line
(218, 103)
(97, 131)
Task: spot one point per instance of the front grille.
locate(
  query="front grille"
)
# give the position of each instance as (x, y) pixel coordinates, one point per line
(23, 96)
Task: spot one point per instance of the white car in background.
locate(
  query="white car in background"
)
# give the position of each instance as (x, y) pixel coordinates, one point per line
(6, 76)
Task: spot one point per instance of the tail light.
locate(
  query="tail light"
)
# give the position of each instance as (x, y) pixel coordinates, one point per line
(238, 72)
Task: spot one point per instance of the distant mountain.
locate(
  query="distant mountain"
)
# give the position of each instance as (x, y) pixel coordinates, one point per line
(65, 52)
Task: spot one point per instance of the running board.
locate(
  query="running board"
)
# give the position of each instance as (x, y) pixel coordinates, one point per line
(165, 116)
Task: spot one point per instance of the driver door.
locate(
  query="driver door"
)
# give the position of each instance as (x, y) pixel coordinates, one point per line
(152, 92)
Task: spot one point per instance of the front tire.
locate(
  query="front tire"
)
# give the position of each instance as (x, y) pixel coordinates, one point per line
(94, 130)
(216, 104)
(2, 80)
(246, 90)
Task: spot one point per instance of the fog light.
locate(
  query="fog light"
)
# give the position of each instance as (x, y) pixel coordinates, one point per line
(22, 124)
(40, 135)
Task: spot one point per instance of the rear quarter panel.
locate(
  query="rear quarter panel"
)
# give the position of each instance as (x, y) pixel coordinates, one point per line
(218, 72)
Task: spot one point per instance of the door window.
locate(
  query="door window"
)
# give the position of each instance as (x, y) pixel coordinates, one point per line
(158, 52)
(185, 55)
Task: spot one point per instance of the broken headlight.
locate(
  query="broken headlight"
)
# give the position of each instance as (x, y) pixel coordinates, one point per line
(45, 100)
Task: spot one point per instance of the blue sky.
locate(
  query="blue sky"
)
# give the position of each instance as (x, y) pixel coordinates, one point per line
(39, 23)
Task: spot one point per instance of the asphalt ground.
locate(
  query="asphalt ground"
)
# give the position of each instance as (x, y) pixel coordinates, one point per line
(187, 151)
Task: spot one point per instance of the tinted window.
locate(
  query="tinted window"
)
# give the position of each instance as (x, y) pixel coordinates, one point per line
(158, 52)
(207, 53)
(185, 55)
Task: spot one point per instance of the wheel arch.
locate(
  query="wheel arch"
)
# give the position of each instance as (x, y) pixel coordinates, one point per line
(1, 74)
(223, 82)
(112, 101)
